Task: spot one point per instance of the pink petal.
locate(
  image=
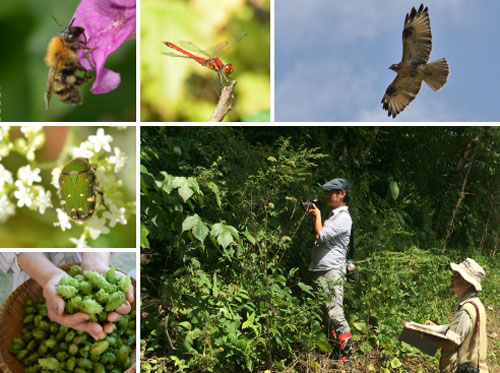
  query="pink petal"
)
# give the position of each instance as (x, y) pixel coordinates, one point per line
(107, 24)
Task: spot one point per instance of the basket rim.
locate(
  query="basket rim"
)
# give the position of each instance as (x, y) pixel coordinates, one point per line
(34, 287)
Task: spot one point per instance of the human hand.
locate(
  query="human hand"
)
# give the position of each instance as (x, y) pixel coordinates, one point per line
(122, 310)
(314, 212)
(98, 266)
(429, 322)
(55, 309)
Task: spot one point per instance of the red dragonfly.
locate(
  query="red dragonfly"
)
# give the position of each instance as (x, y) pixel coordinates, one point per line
(211, 58)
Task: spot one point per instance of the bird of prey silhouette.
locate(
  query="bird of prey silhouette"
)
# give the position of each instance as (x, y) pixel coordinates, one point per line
(414, 67)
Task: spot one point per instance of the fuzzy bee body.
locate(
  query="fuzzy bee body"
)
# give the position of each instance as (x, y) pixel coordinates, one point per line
(62, 58)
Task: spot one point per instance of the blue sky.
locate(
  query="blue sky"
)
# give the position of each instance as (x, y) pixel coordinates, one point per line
(332, 59)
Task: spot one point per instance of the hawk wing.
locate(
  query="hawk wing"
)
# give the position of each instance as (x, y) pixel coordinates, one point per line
(400, 93)
(417, 36)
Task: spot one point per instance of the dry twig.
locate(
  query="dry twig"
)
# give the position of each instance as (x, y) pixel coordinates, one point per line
(225, 103)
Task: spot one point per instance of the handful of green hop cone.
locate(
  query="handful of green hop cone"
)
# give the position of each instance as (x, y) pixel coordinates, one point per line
(93, 293)
(45, 346)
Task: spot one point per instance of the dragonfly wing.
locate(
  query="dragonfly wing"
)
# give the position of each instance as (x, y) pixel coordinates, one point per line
(174, 55)
(193, 48)
(218, 50)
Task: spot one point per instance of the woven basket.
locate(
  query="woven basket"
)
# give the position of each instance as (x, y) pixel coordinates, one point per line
(11, 322)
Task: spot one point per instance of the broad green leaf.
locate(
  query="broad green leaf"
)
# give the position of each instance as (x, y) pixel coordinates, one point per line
(196, 225)
(249, 237)
(167, 184)
(280, 278)
(200, 231)
(361, 326)
(396, 363)
(249, 322)
(393, 186)
(190, 222)
(183, 187)
(185, 192)
(215, 189)
(193, 184)
(185, 325)
(224, 234)
(144, 237)
(305, 288)
(323, 345)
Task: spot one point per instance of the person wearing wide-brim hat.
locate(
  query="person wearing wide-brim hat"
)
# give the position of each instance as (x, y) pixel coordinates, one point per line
(466, 349)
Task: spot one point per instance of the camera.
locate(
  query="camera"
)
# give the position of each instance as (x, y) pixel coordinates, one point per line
(307, 205)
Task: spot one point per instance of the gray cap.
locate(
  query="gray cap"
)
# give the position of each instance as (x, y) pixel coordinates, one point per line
(338, 184)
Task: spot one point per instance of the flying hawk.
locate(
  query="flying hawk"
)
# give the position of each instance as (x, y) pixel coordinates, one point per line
(413, 68)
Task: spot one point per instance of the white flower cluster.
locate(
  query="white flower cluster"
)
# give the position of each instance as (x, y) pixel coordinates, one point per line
(24, 188)
(110, 211)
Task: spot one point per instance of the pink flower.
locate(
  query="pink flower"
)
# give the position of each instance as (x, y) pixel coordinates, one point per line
(107, 24)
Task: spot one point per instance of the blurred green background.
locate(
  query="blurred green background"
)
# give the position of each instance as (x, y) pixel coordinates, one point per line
(180, 89)
(25, 31)
(31, 229)
(122, 260)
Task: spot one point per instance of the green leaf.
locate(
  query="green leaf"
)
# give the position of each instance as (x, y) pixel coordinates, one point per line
(323, 345)
(281, 279)
(396, 363)
(190, 222)
(249, 322)
(196, 225)
(167, 184)
(224, 234)
(215, 189)
(361, 326)
(393, 186)
(215, 289)
(305, 288)
(183, 187)
(185, 325)
(144, 237)
(249, 237)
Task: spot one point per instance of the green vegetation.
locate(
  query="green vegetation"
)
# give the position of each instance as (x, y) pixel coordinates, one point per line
(226, 244)
(45, 346)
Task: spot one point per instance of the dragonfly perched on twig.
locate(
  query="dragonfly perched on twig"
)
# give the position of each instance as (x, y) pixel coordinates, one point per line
(210, 57)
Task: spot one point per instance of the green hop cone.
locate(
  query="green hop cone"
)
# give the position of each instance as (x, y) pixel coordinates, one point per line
(91, 307)
(66, 291)
(115, 301)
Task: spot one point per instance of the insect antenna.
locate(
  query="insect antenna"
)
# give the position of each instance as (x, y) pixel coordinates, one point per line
(57, 21)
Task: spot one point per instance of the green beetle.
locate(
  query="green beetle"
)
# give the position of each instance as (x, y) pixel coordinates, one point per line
(77, 189)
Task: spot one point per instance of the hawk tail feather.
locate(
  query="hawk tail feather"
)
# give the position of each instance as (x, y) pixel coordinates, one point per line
(436, 74)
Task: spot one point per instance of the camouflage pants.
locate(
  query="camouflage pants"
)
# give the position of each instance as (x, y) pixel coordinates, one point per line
(332, 283)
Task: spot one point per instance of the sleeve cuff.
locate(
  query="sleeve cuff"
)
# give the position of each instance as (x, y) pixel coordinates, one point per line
(454, 337)
(8, 263)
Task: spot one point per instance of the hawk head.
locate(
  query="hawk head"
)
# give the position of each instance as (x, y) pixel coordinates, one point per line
(395, 67)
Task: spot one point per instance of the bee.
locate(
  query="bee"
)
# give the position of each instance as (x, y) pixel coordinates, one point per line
(62, 59)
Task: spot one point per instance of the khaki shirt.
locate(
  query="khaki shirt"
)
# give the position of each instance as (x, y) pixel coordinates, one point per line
(461, 325)
(459, 331)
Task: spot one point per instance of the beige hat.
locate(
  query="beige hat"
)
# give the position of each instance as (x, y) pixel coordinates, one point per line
(471, 272)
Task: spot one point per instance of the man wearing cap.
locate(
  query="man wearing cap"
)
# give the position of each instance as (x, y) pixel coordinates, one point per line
(466, 347)
(328, 260)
